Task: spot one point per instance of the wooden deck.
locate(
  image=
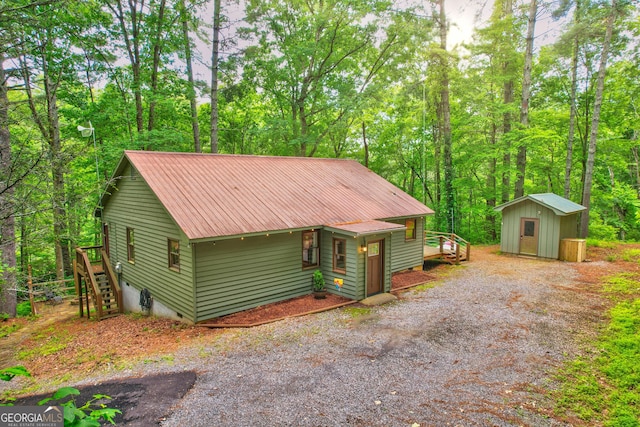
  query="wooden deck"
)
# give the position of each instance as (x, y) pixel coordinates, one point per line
(446, 247)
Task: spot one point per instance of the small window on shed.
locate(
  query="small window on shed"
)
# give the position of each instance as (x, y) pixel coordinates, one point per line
(340, 255)
(310, 249)
(410, 233)
(131, 255)
(174, 254)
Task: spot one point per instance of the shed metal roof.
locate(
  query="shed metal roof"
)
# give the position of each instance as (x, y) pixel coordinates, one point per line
(215, 195)
(559, 205)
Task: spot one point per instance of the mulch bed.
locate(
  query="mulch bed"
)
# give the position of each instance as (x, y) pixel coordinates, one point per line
(307, 304)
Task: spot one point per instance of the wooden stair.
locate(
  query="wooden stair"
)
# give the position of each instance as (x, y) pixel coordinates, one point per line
(95, 279)
(446, 247)
(110, 307)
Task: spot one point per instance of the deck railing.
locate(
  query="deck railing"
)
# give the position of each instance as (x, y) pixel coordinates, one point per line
(449, 244)
(92, 260)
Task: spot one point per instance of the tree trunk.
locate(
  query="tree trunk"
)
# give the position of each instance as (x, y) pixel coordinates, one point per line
(215, 58)
(506, 118)
(446, 124)
(491, 187)
(157, 50)
(132, 44)
(526, 95)
(191, 90)
(593, 136)
(366, 145)
(8, 298)
(57, 174)
(572, 109)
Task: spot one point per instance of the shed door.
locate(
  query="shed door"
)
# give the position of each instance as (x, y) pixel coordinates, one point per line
(529, 236)
(375, 269)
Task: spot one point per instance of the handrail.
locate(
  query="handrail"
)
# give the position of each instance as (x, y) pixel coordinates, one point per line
(111, 277)
(86, 265)
(456, 243)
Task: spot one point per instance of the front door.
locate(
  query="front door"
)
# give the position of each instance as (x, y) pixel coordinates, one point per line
(375, 266)
(529, 236)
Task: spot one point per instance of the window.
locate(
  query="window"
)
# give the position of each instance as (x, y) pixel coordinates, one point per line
(340, 255)
(174, 254)
(410, 233)
(310, 249)
(131, 256)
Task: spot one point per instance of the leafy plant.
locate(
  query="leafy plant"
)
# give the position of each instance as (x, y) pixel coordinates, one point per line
(82, 416)
(23, 309)
(7, 374)
(74, 416)
(318, 281)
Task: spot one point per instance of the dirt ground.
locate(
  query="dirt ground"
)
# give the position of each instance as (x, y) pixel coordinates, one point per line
(59, 345)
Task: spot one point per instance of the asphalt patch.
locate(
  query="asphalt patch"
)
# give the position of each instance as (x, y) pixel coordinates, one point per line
(144, 401)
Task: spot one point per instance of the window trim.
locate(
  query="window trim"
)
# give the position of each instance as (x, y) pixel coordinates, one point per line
(131, 246)
(305, 264)
(336, 254)
(414, 235)
(170, 255)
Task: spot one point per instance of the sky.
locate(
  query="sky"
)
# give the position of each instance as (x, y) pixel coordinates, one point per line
(464, 16)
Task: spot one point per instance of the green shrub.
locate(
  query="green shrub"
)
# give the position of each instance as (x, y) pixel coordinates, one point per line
(23, 309)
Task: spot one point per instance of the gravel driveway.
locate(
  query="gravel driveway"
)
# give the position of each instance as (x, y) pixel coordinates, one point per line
(472, 350)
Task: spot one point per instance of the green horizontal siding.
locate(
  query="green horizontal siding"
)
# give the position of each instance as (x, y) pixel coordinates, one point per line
(134, 205)
(350, 277)
(407, 253)
(235, 275)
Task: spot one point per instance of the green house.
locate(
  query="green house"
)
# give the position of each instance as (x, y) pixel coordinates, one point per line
(208, 234)
(536, 224)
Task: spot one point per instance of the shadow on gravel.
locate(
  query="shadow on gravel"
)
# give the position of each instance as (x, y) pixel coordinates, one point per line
(143, 401)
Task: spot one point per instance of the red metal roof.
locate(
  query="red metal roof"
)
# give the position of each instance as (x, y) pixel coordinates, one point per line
(360, 228)
(214, 195)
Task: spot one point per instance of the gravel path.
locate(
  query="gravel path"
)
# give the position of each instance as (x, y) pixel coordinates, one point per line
(472, 350)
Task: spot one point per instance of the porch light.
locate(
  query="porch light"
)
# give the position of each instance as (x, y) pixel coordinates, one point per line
(363, 248)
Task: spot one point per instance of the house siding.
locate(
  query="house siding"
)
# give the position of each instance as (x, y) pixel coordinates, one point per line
(407, 254)
(239, 274)
(548, 233)
(134, 205)
(350, 277)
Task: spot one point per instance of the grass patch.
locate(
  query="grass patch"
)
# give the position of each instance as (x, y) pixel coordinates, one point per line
(595, 243)
(631, 255)
(6, 330)
(605, 386)
(50, 341)
(425, 286)
(623, 284)
(356, 311)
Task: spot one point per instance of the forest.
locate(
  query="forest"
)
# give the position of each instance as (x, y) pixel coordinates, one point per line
(461, 127)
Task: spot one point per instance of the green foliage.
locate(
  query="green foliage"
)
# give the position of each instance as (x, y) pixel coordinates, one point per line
(74, 416)
(597, 243)
(82, 416)
(599, 230)
(605, 388)
(23, 309)
(7, 374)
(50, 341)
(6, 330)
(318, 281)
(357, 311)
